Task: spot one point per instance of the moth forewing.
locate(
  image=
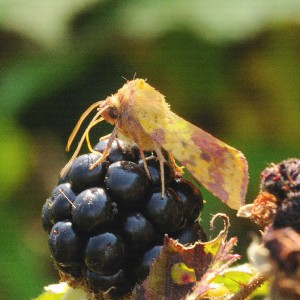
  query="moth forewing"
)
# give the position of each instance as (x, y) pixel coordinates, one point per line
(220, 168)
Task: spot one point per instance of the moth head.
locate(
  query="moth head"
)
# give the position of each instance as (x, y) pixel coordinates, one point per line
(110, 109)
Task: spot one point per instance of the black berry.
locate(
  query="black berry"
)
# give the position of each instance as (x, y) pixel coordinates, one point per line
(126, 182)
(138, 231)
(82, 177)
(92, 209)
(105, 253)
(165, 213)
(119, 151)
(120, 281)
(190, 234)
(142, 271)
(66, 245)
(191, 197)
(46, 222)
(75, 271)
(61, 203)
(154, 170)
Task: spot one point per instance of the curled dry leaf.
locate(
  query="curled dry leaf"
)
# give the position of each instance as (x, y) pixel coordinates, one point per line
(202, 260)
(262, 210)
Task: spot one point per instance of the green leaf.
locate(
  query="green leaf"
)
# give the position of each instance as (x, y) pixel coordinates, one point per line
(54, 292)
(182, 274)
(75, 294)
(233, 278)
(242, 279)
(62, 291)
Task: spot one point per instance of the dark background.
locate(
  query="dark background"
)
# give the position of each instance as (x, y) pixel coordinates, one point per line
(230, 68)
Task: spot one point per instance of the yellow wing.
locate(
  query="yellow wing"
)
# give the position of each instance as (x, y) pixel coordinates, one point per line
(221, 169)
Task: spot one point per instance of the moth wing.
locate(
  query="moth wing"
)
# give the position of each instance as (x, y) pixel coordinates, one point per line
(220, 168)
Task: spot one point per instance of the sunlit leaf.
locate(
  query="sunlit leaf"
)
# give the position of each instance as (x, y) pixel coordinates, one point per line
(54, 292)
(182, 274)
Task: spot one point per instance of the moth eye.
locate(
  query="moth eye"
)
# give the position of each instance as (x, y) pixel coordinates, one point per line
(113, 113)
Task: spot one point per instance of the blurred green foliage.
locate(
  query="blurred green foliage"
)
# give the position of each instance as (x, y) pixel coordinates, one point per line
(230, 67)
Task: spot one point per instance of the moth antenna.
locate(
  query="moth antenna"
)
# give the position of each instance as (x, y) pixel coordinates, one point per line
(67, 167)
(87, 137)
(80, 121)
(125, 79)
(107, 149)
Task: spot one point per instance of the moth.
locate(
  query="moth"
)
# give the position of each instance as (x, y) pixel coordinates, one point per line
(141, 116)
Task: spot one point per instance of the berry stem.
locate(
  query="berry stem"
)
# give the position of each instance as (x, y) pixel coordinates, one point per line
(248, 289)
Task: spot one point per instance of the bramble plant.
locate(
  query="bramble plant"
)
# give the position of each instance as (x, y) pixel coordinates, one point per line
(123, 223)
(184, 265)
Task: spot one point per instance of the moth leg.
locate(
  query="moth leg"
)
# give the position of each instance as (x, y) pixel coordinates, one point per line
(178, 170)
(105, 137)
(144, 160)
(107, 149)
(161, 159)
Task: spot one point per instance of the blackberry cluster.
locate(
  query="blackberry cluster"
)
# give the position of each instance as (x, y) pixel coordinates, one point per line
(283, 181)
(106, 226)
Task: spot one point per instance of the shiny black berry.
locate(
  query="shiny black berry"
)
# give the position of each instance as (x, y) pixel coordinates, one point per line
(75, 271)
(142, 271)
(82, 177)
(119, 151)
(46, 222)
(191, 197)
(61, 203)
(165, 213)
(64, 179)
(154, 170)
(127, 183)
(105, 253)
(190, 234)
(138, 232)
(120, 281)
(66, 246)
(93, 209)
